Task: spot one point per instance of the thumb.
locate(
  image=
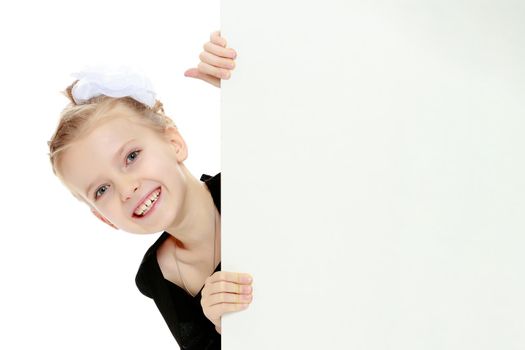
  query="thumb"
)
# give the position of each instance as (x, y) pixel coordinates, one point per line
(192, 73)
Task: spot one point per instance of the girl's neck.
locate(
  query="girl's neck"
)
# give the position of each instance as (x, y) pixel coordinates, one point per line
(199, 222)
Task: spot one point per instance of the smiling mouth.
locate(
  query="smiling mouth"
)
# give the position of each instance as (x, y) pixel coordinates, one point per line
(146, 206)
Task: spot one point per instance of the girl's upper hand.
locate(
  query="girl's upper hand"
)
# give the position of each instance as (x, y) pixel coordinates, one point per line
(216, 61)
(225, 292)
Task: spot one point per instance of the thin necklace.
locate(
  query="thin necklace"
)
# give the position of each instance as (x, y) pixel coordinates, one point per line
(213, 261)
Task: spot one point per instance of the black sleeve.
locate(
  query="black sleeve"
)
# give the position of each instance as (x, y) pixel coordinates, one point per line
(142, 285)
(182, 313)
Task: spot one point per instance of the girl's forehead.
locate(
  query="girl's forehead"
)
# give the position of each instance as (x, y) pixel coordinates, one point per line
(115, 129)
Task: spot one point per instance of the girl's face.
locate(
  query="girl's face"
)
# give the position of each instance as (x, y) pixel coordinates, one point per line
(121, 164)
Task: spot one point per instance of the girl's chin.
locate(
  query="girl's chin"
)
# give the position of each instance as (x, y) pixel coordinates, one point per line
(135, 232)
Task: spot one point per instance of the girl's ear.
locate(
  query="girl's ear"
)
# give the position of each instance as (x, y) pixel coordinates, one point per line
(175, 139)
(103, 219)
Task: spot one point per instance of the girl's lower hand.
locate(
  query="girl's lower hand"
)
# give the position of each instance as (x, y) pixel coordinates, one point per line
(225, 292)
(216, 61)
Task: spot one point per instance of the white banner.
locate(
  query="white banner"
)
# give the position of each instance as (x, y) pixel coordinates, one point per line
(373, 174)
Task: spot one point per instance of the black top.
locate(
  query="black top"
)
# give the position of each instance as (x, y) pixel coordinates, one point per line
(182, 312)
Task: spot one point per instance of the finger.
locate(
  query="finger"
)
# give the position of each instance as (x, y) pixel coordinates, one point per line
(235, 277)
(194, 73)
(216, 38)
(212, 80)
(213, 71)
(216, 311)
(219, 50)
(226, 287)
(229, 298)
(216, 61)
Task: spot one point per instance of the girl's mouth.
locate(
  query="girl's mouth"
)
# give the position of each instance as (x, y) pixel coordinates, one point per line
(148, 206)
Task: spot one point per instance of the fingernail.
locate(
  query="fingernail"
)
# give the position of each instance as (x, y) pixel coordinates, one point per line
(247, 279)
(246, 289)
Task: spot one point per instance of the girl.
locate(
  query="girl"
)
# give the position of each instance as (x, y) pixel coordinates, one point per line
(116, 151)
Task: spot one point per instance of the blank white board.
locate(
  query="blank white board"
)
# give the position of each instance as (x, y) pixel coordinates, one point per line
(373, 174)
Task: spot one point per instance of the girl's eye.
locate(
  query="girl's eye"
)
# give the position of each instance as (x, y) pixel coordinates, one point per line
(100, 191)
(133, 155)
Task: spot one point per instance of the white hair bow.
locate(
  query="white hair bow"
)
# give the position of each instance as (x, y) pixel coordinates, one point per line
(112, 81)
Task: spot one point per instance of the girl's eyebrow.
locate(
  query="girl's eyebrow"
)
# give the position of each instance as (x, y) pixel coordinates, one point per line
(117, 155)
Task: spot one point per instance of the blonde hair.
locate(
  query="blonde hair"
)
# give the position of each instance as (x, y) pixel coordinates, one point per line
(76, 120)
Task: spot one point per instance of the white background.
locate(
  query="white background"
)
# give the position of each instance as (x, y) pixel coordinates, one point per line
(67, 280)
(379, 172)
(377, 189)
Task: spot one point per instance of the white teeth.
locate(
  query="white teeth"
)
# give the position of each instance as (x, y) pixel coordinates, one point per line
(141, 210)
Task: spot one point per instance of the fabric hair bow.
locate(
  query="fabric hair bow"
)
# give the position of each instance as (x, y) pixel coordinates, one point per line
(116, 81)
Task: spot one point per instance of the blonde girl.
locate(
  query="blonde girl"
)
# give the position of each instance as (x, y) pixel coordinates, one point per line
(117, 152)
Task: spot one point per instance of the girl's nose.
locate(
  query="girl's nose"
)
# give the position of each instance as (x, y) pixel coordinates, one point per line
(128, 191)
